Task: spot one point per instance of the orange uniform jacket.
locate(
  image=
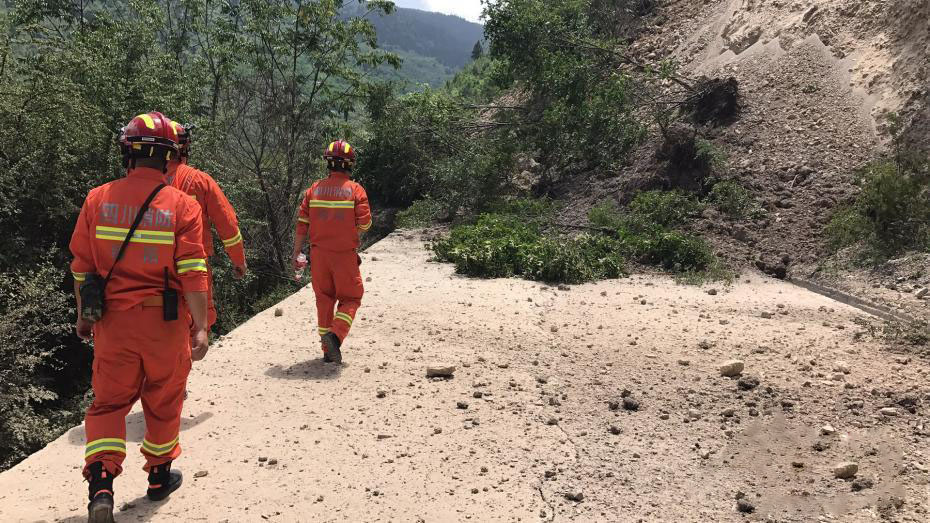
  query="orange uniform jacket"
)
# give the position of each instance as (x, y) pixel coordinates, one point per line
(338, 208)
(168, 237)
(216, 209)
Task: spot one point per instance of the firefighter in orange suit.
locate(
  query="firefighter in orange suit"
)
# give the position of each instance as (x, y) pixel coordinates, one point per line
(332, 215)
(216, 210)
(139, 350)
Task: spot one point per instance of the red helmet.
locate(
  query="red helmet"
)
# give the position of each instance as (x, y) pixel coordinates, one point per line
(340, 156)
(150, 135)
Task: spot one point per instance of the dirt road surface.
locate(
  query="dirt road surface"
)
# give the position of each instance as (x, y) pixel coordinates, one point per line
(533, 426)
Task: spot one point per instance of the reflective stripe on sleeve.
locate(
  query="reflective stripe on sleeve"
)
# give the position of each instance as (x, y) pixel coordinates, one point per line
(192, 265)
(302, 220)
(365, 227)
(234, 240)
(79, 276)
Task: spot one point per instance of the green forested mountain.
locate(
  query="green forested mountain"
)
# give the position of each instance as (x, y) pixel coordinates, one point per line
(433, 46)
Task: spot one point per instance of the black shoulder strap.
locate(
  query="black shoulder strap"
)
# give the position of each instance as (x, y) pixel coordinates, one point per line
(132, 230)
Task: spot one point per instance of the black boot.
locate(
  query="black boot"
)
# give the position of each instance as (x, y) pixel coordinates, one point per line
(332, 348)
(163, 481)
(100, 493)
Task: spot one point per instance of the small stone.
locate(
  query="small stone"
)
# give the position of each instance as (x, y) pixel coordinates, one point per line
(841, 366)
(827, 430)
(767, 315)
(262, 459)
(744, 506)
(381, 394)
(574, 495)
(615, 430)
(613, 405)
(732, 368)
(550, 474)
(477, 395)
(552, 421)
(554, 328)
(712, 292)
(279, 312)
(704, 345)
(797, 464)
(860, 484)
(200, 474)
(845, 470)
(728, 412)
(368, 279)
(630, 403)
(440, 372)
(272, 461)
(922, 293)
(437, 431)
(694, 414)
(889, 411)
(475, 491)
(684, 363)
(461, 405)
(542, 380)
(747, 382)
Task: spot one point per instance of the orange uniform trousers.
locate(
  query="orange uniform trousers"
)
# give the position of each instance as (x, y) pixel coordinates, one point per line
(337, 284)
(137, 355)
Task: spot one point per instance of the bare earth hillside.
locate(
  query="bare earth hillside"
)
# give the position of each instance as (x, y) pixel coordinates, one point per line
(817, 80)
(534, 425)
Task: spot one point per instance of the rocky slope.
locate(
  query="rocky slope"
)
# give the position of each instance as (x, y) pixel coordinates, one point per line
(817, 81)
(602, 402)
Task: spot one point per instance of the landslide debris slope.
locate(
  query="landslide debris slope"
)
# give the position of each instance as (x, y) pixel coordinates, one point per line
(600, 402)
(817, 81)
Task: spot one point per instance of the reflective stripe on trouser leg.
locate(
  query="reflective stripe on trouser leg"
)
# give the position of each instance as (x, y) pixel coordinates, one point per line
(117, 380)
(323, 289)
(167, 365)
(349, 291)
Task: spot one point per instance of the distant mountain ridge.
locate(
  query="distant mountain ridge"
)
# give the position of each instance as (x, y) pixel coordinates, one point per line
(447, 38)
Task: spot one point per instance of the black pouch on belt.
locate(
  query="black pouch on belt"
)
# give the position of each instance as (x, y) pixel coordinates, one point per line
(92, 304)
(169, 301)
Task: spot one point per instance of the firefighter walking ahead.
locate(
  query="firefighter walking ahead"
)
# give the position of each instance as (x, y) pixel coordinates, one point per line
(333, 213)
(216, 211)
(142, 342)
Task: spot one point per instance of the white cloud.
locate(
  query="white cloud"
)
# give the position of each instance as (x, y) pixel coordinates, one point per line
(467, 9)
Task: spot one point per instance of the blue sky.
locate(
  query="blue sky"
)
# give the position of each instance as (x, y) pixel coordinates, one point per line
(467, 9)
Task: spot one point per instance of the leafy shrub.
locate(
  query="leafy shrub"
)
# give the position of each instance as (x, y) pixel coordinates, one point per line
(664, 208)
(891, 213)
(420, 214)
(645, 231)
(735, 200)
(35, 327)
(499, 246)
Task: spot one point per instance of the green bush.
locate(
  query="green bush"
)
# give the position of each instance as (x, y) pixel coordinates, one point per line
(734, 200)
(420, 214)
(37, 344)
(499, 246)
(664, 208)
(891, 213)
(645, 231)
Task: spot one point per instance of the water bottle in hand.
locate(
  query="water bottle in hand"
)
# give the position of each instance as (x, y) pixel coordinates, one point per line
(301, 264)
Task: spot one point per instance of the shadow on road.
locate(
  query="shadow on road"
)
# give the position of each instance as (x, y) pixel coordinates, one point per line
(135, 427)
(306, 370)
(139, 509)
